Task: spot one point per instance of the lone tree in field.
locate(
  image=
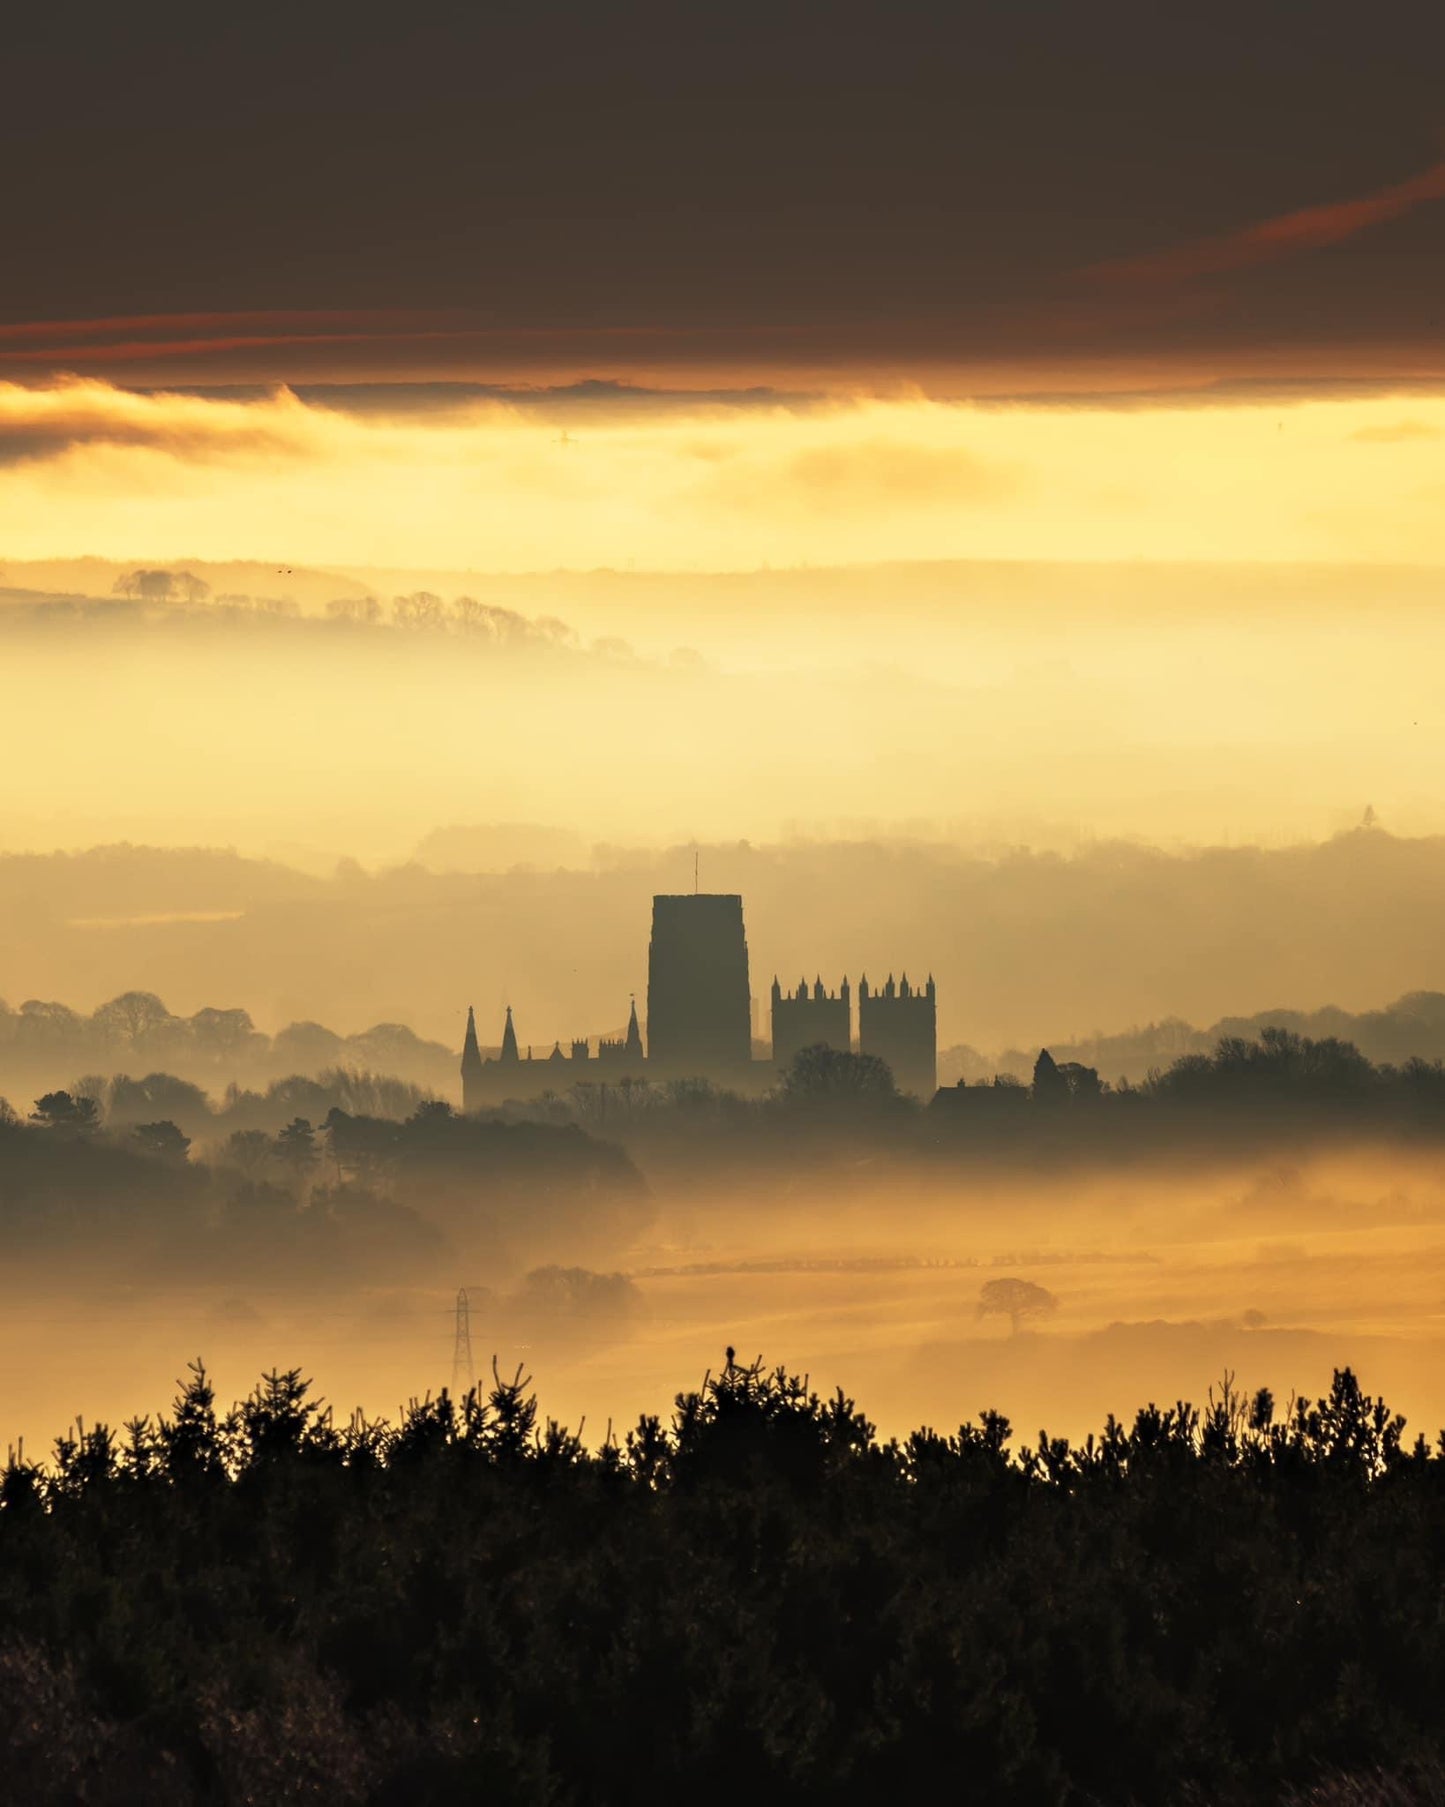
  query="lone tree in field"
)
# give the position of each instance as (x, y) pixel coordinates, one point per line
(1016, 1300)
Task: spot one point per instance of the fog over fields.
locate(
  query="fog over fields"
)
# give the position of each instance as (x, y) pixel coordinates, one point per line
(1114, 810)
(1277, 1270)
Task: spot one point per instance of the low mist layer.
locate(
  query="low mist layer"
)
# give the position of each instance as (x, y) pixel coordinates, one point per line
(1035, 704)
(1277, 1268)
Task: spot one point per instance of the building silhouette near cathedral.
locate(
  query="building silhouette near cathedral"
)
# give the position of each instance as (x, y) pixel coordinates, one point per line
(699, 1020)
(810, 1019)
(900, 1026)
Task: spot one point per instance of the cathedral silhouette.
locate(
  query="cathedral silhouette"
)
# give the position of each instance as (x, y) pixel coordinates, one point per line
(699, 1020)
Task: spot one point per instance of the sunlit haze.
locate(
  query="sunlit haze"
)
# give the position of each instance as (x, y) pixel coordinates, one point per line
(722, 746)
(582, 480)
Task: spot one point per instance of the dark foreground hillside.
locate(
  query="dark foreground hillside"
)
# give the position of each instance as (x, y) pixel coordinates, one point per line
(755, 1602)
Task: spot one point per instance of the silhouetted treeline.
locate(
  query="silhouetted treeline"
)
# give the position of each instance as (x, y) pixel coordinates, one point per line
(123, 1100)
(47, 1043)
(755, 1600)
(1281, 1088)
(1412, 1028)
(346, 1198)
(330, 1174)
(419, 610)
(179, 601)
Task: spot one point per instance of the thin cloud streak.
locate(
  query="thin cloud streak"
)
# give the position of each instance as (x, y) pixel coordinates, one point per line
(106, 327)
(1284, 235)
(289, 326)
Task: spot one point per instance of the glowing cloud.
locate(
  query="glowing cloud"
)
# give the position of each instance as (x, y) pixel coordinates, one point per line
(47, 423)
(701, 485)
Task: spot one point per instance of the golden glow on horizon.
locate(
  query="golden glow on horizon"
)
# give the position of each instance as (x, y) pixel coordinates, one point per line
(88, 468)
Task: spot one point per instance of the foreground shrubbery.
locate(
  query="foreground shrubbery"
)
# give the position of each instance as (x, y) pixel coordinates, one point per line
(756, 1601)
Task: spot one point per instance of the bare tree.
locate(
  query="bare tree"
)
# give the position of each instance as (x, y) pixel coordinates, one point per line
(470, 615)
(149, 586)
(131, 1016)
(421, 609)
(222, 1031)
(189, 587)
(359, 611)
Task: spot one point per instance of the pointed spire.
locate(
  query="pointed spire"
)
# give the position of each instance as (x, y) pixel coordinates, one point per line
(634, 1035)
(509, 1039)
(471, 1052)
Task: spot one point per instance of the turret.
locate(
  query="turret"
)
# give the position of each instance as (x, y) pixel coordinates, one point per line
(899, 1024)
(809, 1017)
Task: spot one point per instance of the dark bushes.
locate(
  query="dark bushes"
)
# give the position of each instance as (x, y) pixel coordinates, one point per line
(758, 1599)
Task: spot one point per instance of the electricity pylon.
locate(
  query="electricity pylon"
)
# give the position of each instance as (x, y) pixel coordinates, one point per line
(464, 1375)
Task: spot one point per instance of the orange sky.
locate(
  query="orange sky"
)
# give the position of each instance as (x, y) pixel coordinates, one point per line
(701, 483)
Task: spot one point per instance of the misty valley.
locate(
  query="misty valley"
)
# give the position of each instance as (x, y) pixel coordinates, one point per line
(1270, 1211)
(508, 1383)
(544, 1425)
(722, 1023)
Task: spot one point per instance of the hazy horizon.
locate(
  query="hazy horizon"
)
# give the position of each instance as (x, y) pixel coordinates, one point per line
(536, 918)
(1046, 705)
(485, 490)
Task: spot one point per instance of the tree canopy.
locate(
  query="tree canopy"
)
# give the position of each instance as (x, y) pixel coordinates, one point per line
(755, 1598)
(1017, 1300)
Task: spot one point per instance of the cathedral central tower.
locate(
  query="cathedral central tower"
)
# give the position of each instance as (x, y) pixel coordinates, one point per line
(699, 1006)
